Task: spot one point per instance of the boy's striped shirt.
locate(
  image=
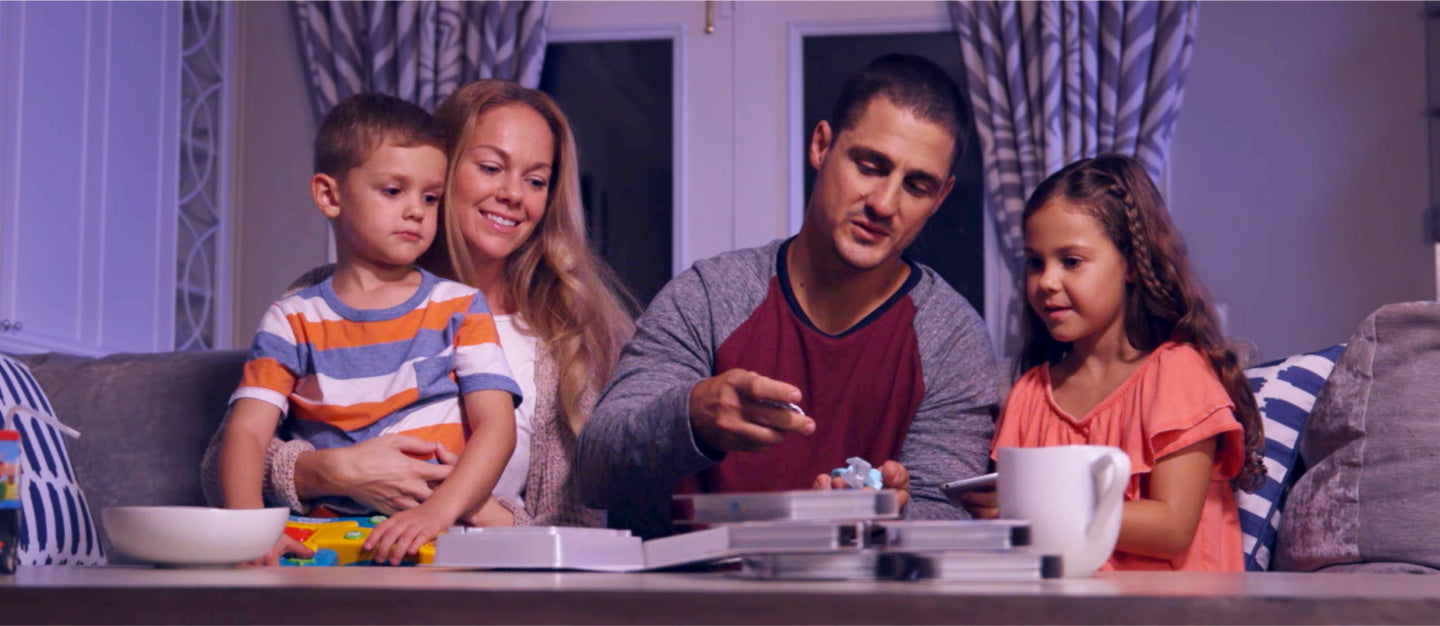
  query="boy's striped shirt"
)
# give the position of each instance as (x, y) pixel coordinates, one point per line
(347, 375)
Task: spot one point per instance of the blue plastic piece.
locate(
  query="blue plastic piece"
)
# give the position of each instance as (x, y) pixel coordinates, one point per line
(858, 474)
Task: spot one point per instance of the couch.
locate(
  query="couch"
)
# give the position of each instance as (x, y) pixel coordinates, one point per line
(144, 419)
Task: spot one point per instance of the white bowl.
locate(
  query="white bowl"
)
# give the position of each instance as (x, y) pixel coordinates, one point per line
(193, 535)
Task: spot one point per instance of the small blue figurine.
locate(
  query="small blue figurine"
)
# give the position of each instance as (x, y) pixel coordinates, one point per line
(852, 475)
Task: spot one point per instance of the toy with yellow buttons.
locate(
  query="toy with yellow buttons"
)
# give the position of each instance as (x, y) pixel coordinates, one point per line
(336, 541)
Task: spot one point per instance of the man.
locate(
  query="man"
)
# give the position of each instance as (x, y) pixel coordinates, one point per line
(886, 361)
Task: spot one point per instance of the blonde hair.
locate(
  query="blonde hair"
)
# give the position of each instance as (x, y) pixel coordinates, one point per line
(559, 288)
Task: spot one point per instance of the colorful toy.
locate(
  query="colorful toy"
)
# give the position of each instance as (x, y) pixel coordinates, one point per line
(858, 474)
(336, 541)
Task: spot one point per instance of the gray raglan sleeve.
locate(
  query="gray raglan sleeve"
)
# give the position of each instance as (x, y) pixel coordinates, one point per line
(638, 441)
(949, 437)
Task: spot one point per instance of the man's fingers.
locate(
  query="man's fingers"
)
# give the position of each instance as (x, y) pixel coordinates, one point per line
(757, 387)
(894, 476)
(751, 437)
(766, 414)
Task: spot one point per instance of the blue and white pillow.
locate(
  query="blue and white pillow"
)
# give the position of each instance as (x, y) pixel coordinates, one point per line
(58, 528)
(1285, 392)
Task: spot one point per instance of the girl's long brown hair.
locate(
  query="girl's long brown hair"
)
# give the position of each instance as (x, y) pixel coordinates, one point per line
(1163, 300)
(560, 289)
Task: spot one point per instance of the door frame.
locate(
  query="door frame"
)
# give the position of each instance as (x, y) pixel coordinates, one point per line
(679, 115)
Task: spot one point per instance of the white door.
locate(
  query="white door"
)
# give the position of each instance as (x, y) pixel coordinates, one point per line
(703, 103)
(739, 126)
(88, 142)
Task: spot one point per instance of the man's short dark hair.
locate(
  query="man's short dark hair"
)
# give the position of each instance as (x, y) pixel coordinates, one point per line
(913, 83)
(361, 123)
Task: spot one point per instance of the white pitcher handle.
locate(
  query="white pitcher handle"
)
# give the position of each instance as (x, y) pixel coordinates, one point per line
(1114, 467)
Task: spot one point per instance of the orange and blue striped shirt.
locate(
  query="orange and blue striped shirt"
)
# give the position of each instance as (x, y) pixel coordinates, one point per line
(346, 375)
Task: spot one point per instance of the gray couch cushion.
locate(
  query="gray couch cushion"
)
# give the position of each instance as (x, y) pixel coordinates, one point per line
(144, 419)
(1368, 500)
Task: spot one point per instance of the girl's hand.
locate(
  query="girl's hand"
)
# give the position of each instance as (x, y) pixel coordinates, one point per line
(981, 504)
(283, 546)
(892, 476)
(378, 473)
(405, 532)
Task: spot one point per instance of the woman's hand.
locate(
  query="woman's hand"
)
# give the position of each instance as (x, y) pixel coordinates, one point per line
(892, 476)
(378, 473)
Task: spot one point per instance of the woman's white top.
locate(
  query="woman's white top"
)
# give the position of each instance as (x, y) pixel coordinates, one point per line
(519, 347)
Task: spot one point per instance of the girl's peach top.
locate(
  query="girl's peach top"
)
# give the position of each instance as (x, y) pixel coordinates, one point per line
(1171, 401)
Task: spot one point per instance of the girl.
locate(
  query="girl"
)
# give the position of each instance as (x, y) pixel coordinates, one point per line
(1121, 348)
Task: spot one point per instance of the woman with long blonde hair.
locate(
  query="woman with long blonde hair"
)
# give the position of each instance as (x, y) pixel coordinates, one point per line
(511, 225)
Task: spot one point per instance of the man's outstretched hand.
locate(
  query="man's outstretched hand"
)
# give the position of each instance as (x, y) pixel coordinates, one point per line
(742, 411)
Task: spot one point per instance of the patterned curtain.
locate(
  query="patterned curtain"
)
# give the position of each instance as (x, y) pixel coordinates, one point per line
(420, 51)
(1053, 82)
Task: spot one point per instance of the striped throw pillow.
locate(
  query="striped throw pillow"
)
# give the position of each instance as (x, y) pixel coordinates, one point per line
(1285, 391)
(58, 527)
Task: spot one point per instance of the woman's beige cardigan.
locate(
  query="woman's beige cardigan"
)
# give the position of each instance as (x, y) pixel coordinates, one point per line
(551, 498)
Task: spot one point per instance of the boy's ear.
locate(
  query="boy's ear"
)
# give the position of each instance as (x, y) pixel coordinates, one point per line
(325, 190)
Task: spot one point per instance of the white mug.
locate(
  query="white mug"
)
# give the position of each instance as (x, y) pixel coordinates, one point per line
(1072, 497)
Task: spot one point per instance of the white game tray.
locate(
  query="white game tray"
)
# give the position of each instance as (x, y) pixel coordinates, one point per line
(540, 547)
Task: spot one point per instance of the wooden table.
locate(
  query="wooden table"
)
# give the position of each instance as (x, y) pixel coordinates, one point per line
(51, 595)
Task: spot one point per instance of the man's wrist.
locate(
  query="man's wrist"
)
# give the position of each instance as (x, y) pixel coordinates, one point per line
(706, 450)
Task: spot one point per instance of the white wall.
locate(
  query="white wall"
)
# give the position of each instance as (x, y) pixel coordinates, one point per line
(1299, 169)
(1298, 173)
(278, 232)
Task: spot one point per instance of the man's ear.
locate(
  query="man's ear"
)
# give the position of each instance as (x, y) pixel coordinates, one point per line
(820, 142)
(945, 189)
(325, 191)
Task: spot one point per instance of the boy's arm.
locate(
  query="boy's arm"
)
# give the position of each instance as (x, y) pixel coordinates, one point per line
(491, 414)
(248, 430)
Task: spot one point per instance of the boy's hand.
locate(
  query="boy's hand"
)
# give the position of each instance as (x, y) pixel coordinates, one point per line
(405, 532)
(283, 546)
(892, 475)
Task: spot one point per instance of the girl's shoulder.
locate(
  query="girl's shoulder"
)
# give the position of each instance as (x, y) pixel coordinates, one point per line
(1181, 384)
(1180, 359)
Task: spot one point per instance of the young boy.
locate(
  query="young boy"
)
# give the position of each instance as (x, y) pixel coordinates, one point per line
(380, 347)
